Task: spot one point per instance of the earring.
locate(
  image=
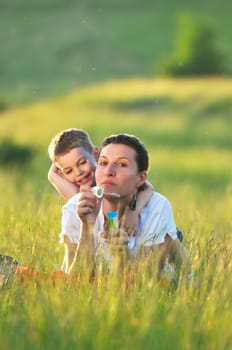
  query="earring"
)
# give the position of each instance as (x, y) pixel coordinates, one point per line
(133, 202)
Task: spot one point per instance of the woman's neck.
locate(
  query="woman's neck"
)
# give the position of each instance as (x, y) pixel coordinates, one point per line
(114, 205)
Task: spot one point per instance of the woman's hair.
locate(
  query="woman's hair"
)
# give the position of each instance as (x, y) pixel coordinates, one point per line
(68, 139)
(133, 142)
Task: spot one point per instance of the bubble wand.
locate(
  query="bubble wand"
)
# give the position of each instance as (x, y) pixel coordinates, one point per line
(99, 192)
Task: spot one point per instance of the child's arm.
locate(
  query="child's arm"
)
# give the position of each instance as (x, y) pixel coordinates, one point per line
(144, 195)
(64, 187)
(131, 218)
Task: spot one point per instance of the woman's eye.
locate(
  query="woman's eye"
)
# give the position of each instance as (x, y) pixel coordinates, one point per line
(121, 165)
(102, 163)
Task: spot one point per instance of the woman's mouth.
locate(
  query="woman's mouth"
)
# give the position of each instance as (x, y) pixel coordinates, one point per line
(107, 184)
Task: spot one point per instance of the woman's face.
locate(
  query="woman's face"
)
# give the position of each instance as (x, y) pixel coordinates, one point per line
(77, 166)
(117, 170)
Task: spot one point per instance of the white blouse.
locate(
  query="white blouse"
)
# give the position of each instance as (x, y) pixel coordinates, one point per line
(155, 221)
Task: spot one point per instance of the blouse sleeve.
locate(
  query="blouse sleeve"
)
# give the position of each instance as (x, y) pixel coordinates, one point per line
(70, 222)
(159, 223)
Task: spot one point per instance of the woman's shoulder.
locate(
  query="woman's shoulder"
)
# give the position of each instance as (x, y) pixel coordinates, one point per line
(158, 197)
(158, 202)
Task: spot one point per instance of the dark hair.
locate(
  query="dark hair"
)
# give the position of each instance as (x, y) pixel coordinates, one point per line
(133, 142)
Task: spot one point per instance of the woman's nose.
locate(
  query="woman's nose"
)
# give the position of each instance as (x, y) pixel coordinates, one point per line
(110, 170)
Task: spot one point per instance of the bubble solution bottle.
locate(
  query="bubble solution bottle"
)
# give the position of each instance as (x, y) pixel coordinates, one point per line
(112, 217)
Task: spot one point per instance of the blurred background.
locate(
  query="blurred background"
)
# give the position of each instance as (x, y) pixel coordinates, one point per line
(51, 47)
(160, 69)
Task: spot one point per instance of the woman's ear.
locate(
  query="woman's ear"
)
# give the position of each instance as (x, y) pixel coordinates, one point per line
(142, 178)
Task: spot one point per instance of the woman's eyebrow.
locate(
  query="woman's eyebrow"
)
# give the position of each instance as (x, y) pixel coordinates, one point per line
(123, 157)
(117, 158)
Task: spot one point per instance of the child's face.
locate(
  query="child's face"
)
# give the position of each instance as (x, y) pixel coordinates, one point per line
(77, 166)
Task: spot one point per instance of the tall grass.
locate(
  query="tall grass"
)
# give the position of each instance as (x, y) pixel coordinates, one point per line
(107, 316)
(190, 149)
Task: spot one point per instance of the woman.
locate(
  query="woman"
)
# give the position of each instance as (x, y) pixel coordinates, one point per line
(73, 157)
(122, 170)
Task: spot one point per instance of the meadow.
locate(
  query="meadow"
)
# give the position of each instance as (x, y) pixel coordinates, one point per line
(186, 126)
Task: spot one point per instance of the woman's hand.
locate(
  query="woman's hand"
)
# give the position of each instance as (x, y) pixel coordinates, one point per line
(116, 240)
(88, 205)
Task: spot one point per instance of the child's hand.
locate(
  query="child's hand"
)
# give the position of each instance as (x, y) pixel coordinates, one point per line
(66, 188)
(53, 172)
(130, 220)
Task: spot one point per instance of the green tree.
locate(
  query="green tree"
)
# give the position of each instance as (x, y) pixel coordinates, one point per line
(14, 154)
(197, 51)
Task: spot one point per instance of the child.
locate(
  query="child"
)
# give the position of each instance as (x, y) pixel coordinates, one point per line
(74, 158)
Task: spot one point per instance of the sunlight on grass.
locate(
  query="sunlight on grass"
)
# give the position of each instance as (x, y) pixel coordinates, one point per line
(108, 315)
(209, 159)
(190, 162)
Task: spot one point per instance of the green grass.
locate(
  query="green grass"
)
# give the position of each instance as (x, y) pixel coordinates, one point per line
(185, 125)
(49, 48)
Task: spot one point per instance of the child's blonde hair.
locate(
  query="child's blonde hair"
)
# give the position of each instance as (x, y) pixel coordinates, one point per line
(68, 139)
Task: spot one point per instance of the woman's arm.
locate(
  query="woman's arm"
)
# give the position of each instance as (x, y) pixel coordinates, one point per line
(70, 250)
(172, 259)
(84, 258)
(87, 209)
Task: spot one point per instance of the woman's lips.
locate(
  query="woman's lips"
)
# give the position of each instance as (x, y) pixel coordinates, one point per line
(107, 184)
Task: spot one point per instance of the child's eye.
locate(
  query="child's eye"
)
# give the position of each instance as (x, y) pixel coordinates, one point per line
(83, 161)
(67, 172)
